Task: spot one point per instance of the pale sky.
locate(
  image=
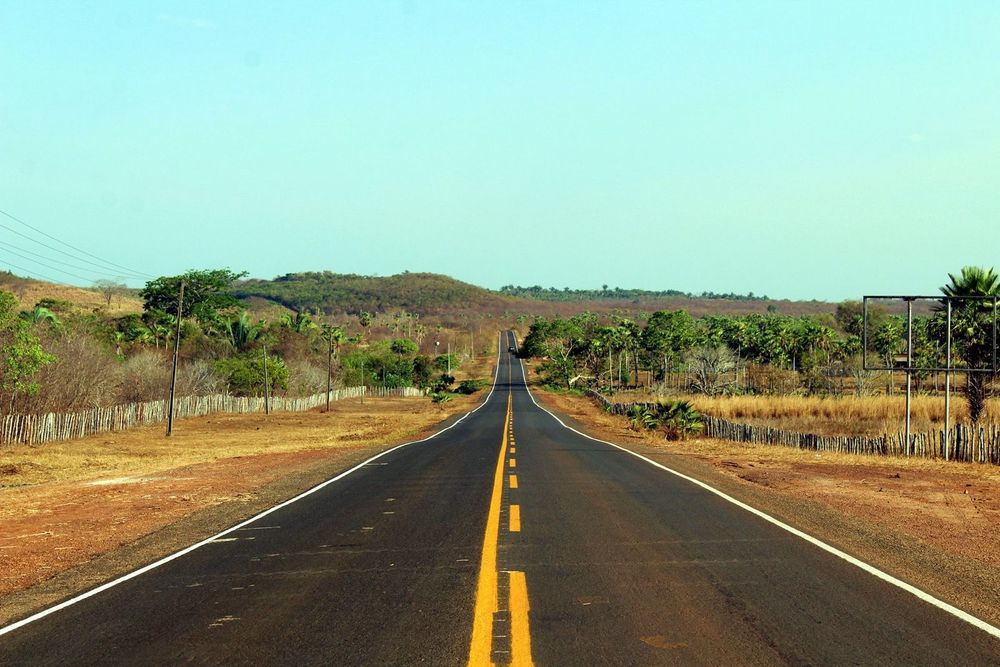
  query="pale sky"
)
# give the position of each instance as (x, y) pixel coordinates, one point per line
(803, 150)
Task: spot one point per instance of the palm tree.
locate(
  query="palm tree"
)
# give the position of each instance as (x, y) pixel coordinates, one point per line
(243, 332)
(300, 324)
(972, 329)
(41, 314)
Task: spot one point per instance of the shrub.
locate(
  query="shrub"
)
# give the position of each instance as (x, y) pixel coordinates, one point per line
(444, 382)
(640, 417)
(470, 386)
(679, 419)
(440, 397)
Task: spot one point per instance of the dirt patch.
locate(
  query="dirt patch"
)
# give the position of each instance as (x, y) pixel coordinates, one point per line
(931, 523)
(79, 512)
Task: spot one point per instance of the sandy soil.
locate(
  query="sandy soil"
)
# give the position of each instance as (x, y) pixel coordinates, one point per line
(931, 523)
(79, 512)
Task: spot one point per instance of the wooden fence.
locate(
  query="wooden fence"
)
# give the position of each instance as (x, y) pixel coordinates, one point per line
(967, 443)
(41, 428)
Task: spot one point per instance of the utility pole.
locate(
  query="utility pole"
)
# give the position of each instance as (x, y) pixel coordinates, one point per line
(329, 367)
(267, 388)
(173, 372)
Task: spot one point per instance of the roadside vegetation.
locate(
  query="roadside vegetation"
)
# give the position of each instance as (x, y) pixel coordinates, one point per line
(773, 361)
(56, 356)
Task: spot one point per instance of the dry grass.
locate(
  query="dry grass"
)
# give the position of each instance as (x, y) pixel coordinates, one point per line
(29, 292)
(146, 451)
(849, 415)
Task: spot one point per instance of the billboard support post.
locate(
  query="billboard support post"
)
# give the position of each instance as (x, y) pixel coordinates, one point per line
(947, 386)
(943, 305)
(909, 371)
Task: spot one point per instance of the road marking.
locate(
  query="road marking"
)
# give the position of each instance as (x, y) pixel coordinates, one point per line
(515, 518)
(208, 540)
(513, 463)
(513, 451)
(870, 569)
(486, 586)
(520, 632)
(513, 481)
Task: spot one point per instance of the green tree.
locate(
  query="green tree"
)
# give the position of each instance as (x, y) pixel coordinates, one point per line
(301, 323)
(207, 295)
(365, 320)
(972, 329)
(559, 340)
(403, 347)
(668, 335)
(244, 374)
(21, 352)
(242, 332)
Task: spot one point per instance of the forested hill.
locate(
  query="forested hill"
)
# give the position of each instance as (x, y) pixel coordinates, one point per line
(350, 293)
(435, 294)
(567, 294)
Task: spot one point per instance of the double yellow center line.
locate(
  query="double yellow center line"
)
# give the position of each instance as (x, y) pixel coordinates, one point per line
(487, 599)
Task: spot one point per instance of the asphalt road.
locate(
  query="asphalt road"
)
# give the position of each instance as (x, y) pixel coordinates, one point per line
(506, 538)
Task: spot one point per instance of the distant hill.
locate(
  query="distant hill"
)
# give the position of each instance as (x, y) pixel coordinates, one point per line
(434, 294)
(30, 291)
(428, 294)
(341, 293)
(567, 294)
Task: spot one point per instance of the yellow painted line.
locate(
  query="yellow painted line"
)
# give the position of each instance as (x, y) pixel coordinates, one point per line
(513, 481)
(520, 633)
(513, 463)
(513, 450)
(515, 518)
(486, 586)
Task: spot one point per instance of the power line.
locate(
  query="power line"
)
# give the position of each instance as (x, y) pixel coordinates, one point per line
(33, 273)
(48, 266)
(11, 248)
(131, 272)
(61, 252)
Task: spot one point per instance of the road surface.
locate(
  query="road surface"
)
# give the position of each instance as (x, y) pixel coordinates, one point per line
(506, 538)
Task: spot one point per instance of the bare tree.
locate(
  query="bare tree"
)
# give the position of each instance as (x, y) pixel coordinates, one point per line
(713, 370)
(109, 289)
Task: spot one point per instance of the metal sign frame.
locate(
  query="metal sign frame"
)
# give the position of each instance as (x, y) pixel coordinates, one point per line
(948, 302)
(909, 369)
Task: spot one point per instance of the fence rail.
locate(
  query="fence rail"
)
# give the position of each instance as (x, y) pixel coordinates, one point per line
(972, 444)
(41, 428)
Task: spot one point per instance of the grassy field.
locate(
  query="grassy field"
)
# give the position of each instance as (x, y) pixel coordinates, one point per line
(848, 415)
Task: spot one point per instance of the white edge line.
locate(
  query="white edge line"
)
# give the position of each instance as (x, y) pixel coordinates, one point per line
(870, 569)
(166, 559)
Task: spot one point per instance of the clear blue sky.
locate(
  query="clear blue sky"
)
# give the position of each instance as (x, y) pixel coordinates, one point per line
(803, 150)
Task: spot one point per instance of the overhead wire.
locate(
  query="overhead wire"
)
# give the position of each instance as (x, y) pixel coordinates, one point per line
(33, 273)
(35, 257)
(48, 266)
(107, 265)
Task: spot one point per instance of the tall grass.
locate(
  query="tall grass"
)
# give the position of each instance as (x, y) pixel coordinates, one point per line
(871, 415)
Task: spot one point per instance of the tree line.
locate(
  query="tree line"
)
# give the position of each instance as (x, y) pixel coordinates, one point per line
(56, 357)
(586, 350)
(566, 294)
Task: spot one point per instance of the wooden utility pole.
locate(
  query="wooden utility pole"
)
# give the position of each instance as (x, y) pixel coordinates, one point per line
(267, 385)
(329, 367)
(173, 371)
